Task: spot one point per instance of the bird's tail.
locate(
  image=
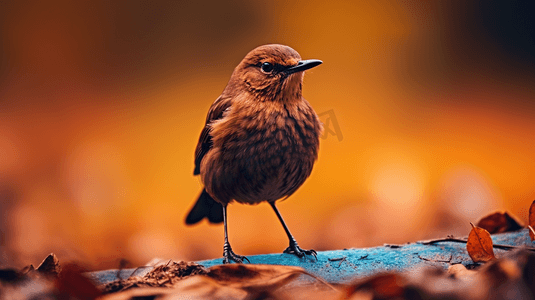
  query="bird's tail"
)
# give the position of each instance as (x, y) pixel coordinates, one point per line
(205, 207)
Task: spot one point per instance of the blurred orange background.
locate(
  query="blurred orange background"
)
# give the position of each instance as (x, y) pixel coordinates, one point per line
(102, 103)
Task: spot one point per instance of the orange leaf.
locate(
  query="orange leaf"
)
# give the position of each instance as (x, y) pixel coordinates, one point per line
(72, 284)
(382, 286)
(531, 233)
(50, 266)
(247, 277)
(532, 215)
(499, 222)
(242, 281)
(479, 245)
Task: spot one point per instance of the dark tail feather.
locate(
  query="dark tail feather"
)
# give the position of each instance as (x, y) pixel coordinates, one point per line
(207, 207)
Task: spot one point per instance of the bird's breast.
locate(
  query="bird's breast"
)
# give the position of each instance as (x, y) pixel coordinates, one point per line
(271, 134)
(272, 149)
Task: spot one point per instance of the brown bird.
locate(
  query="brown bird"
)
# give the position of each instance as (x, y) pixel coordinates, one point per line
(260, 140)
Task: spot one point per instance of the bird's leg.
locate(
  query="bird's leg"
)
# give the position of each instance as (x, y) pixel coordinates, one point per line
(228, 254)
(294, 247)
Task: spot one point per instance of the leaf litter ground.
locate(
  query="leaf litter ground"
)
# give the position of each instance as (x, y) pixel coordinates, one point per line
(435, 269)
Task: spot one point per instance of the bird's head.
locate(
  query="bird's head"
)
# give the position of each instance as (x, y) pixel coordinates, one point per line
(271, 73)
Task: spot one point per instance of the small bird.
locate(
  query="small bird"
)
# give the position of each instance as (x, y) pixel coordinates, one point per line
(260, 140)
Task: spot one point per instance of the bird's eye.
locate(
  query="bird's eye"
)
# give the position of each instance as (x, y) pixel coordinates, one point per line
(266, 67)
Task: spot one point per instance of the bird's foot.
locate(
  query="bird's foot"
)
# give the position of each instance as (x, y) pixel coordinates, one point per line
(229, 255)
(295, 249)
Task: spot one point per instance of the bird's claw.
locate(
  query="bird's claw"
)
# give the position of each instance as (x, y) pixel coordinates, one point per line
(295, 249)
(229, 255)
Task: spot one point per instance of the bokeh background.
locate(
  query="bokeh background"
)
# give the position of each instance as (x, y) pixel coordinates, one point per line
(102, 103)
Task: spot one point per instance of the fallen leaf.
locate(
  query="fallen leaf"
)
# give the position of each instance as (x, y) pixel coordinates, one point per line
(203, 287)
(499, 222)
(27, 269)
(382, 286)
(256, 276)
(72, 284)
(236, 281)
(239, 281)
(532, 220)
(50, 266)
(479, 245)
(531, 233)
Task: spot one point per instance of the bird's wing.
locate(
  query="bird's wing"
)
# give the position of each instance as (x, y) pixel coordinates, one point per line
(205, 140)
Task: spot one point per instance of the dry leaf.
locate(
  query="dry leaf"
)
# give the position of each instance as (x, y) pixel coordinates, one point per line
(479, 245)
(499, 222)
(238, 281)
(235, 281)
(257, 276)
(72, 284)
(50, 266)
(531, 233)
(382, 286)
(532, 220)
(202, 287)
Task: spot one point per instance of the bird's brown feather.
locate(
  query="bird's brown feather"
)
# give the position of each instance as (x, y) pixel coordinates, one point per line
(205, 140)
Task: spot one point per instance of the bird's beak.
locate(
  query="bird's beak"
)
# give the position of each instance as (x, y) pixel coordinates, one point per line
(303, 65)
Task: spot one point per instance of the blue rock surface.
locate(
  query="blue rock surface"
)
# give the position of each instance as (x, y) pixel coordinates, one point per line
(342, 265)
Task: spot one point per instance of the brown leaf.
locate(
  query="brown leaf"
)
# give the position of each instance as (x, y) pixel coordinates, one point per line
(255, 276)
(382, 286)
(72, 284)
(499, 222)
(532, 215)
(531, 233)
(27, 269)
(479, 245)
(203, 287)
(50, 266)
(240, 281)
